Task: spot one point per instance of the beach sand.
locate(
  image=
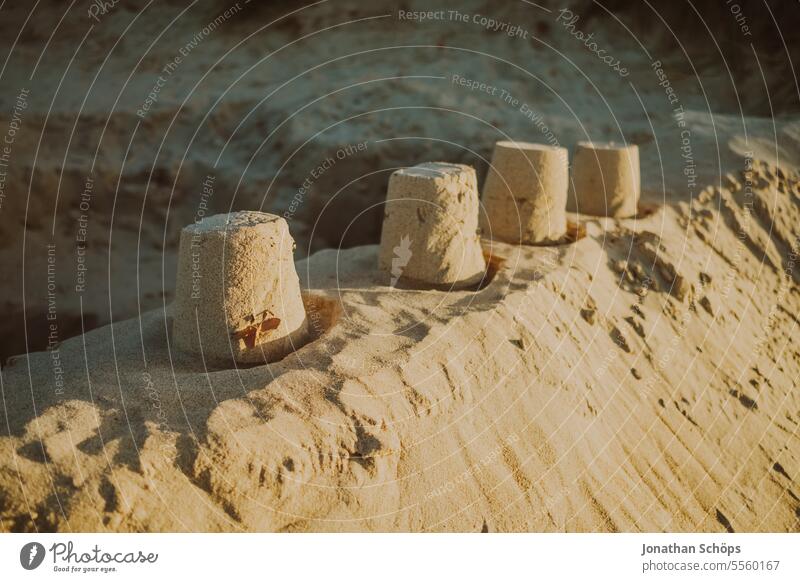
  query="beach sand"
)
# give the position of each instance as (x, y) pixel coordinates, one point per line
(630, 381)
(641, 378)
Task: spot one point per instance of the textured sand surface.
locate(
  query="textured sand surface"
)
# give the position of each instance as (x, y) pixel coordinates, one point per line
(237, 292)
(630, 381)
(262, 102)
(644, 378)
(525, 193)
(606, 180)
(430, 226)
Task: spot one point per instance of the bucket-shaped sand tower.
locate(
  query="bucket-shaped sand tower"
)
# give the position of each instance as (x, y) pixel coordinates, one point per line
(525, 193)
(238, 294)
(430, 226)
(605, 180)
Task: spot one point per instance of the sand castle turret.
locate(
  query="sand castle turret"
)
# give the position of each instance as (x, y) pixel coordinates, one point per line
(525, 193)
(238, 294)
(605, 180)
(430, 226)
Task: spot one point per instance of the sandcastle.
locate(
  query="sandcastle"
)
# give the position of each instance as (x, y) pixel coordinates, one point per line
(430, 227)
(605, 180)
(238, 295)
(525, 193)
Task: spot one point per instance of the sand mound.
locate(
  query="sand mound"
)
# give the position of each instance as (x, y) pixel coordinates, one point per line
(642, 378)
(308, 116)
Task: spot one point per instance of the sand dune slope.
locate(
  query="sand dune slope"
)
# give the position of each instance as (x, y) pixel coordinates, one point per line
(642, 378)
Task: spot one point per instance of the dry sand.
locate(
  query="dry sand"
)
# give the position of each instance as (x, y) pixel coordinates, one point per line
(525, 193)
(237, 292)
(430, 227)
(642, 378)
(606, 180)
(272, 126)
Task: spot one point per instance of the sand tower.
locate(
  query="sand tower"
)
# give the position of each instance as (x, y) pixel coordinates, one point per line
(525, 194)
(238, 294)
(430, 226)
(605, 180)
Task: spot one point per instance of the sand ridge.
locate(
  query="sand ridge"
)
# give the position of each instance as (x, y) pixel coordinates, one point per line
(630, 381)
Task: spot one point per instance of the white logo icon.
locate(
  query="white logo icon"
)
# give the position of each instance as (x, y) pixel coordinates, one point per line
(402, 254)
